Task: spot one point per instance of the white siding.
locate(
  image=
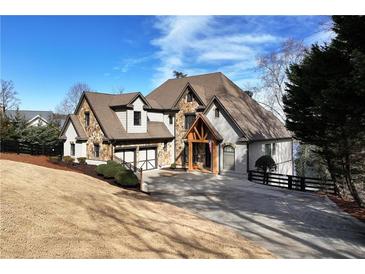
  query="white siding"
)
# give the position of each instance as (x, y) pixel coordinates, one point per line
(155, 116)
(80, 148)
(37, 122)
(122, 116)
(137, 106)
(282, 157)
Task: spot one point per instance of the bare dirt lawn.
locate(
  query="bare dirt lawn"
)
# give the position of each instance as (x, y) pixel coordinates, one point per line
(49, 213)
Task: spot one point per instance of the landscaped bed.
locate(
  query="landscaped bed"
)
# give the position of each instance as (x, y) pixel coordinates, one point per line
(89, 170)
(49, 213)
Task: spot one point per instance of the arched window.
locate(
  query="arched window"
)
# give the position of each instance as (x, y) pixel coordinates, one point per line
(228, 157)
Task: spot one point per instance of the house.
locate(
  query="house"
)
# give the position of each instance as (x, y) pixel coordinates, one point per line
(36, 117)
(203, 122)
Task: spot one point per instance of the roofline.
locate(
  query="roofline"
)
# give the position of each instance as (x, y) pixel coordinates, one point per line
(64, 127)
(182, 93)
(37, 116)
(92, 109)
(198, 75)
(142, 97)
(226, 111)
(200, 116)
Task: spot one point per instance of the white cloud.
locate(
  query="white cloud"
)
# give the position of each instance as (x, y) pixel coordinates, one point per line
(196, 43)
(320, 37)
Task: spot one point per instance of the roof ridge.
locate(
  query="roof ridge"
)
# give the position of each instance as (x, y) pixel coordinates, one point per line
(198, 75)
(104, 93)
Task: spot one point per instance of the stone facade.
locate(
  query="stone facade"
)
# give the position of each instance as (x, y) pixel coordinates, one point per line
(185, 107)
(94, 133)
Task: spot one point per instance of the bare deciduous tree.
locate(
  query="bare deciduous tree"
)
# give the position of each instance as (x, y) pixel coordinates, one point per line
(69, 103)
(273, 68)
(8, 96)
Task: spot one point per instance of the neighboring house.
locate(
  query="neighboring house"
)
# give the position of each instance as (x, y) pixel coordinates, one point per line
(37, 117)
(32, 117)
(201, 122)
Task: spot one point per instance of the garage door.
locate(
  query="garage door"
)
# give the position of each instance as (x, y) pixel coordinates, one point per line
(126, 155)
(147, 158)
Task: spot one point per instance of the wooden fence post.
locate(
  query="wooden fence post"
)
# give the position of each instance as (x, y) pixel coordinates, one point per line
(302, 183)
(290, 182)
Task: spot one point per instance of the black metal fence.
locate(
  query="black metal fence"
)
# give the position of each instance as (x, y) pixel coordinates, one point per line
(292, 182)
(28, 148)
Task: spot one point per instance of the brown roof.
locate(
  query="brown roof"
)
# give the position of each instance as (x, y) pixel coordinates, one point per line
(101, 104)
(81, 134)
(255, 122)
(206, 86)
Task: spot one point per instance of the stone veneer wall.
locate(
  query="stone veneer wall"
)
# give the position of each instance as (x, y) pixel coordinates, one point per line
(163, 157)
(185, 107)
(94, 133)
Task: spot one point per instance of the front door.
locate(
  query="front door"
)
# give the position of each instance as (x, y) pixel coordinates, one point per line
(228, 158)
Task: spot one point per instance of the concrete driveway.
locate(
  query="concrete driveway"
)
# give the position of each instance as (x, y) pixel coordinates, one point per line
(290, 224)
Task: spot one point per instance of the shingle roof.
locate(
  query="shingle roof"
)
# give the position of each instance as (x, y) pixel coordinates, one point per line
(30, 114)
(81, 134)
(206, 86)
(255, 122)
(101, 104)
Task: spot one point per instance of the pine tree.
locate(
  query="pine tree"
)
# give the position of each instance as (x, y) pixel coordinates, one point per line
(324, 102)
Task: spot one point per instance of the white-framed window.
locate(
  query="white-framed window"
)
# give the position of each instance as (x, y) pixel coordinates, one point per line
(72, 149)
(268, 149)
(87, 118)
(171, 119)
(137, 118)
(189, 97)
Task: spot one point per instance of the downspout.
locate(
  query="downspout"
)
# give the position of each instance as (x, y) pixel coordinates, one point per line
(248, 157)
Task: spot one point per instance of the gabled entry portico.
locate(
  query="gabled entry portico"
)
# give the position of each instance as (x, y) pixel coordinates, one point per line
(203, 141)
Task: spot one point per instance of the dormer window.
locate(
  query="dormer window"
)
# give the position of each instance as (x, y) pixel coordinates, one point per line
(87, 118)
(189, 97)
(137, 118)
(216, 112)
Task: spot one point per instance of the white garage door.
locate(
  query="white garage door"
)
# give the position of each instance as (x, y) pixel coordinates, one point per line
(147, 158)
(126, 155)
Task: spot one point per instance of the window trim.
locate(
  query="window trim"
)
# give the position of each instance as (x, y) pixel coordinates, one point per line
(87, 118)
(187, 115)
(97, 146)
(171, 120)
(139, 120)
(268, 149)
(189, 97)
(72, 149)
(273, 149)
(216, 113)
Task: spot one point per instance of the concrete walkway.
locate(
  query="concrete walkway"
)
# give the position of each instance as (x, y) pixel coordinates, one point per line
(290, 224)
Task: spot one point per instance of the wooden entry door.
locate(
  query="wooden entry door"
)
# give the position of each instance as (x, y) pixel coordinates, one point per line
(228, 158)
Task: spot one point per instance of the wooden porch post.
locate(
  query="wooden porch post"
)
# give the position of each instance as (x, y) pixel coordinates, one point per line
(215, 158)
(190, 156)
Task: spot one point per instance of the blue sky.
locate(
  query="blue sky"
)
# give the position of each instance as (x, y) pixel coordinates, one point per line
(45, 55)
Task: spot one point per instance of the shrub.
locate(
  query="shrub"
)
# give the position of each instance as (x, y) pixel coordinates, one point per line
(82, 160)
(68, 160)
(173, 166)
(54, 159)
(111, 162)
(100, 169)
(111, 170)
(126, 178)
(265, 163)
